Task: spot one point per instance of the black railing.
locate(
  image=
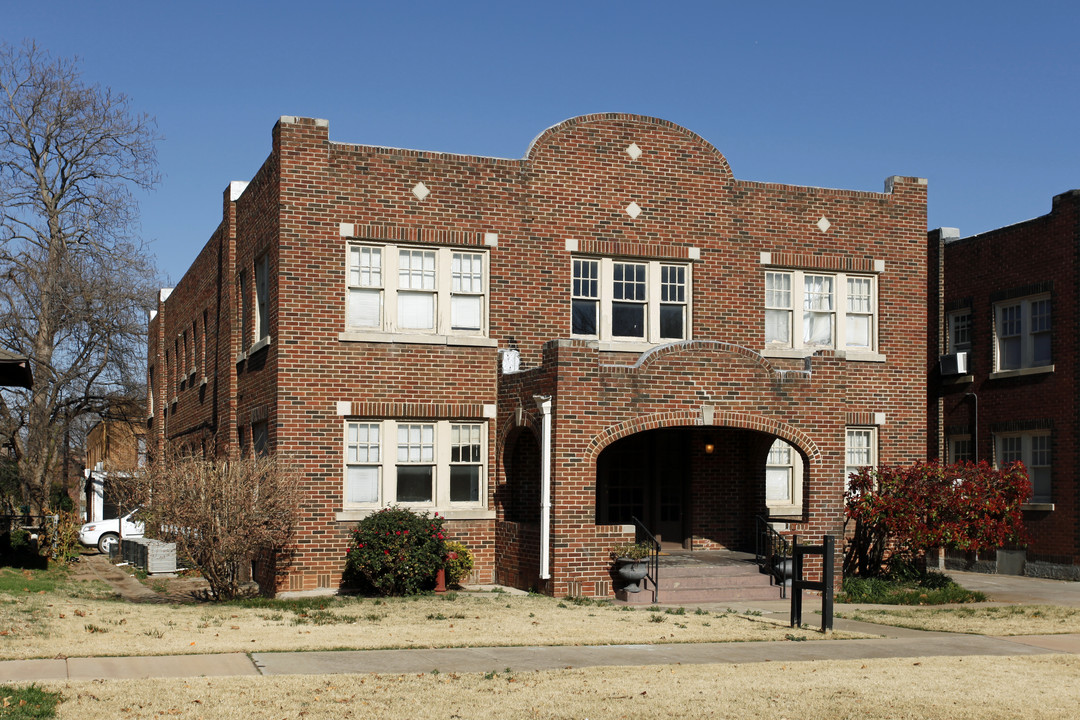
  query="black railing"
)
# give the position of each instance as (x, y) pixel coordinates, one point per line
(653, 575)
(826, 550)
(773, 553)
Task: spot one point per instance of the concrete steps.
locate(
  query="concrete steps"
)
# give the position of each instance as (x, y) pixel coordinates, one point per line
(705, 583)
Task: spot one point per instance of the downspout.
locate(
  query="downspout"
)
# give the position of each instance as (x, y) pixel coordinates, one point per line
(543, 404)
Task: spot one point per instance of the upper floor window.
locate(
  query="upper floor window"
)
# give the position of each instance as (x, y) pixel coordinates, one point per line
(815, 310)
(959, 331)
(1022, 333)
(262, 297)
(423, 290)
(616, 300)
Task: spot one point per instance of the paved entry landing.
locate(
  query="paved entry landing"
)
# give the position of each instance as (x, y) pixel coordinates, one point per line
(702, 576)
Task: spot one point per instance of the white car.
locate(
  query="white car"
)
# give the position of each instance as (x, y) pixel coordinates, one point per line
(106, 533)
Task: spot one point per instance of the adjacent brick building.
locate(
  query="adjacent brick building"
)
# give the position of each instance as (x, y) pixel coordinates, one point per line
(1004, 314)
(541, 348)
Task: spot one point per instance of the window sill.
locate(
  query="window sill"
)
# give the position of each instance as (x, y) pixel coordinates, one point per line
(785, 512)
(1041, 370)
(1038, 506)
(259, 344)
(799, 353)
(469, 514)
(416, 338)
(957, 379)
(203, 381)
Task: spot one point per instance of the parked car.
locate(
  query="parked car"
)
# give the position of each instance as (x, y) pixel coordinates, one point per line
(106, 533)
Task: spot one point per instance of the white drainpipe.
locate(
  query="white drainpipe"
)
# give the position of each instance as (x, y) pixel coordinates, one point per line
(543, 404)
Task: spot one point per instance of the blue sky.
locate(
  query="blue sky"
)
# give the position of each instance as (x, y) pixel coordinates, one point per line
(980, 98)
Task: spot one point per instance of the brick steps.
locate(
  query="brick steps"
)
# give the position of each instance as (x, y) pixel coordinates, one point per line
(700, 583)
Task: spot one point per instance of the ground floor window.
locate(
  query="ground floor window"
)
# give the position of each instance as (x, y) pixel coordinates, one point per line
(1032, 449)
(783, 479)
(960, 449)
(435, 464)
(860, 449)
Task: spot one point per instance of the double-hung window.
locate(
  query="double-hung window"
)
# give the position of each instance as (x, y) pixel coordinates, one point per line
(428, 290)
(960, 449)
(860, 449)
(959, 331)
(1033, 450)
(630, 301)
(813, 310)
(438, 464)
(1022, 329)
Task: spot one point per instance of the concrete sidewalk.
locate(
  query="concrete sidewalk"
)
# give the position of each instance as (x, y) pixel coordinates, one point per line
(893, 642)
(898, 642)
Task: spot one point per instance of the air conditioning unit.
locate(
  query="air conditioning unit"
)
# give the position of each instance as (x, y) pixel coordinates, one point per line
(954, 364)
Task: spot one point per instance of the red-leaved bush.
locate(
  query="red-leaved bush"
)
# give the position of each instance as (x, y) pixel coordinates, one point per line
(909, 510)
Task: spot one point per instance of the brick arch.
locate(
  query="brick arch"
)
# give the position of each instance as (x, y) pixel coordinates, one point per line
(690, 346)
(643, 120)
(789, 433)
(528, 422)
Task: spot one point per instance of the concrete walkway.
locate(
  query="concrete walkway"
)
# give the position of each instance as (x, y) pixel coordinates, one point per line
(894, 642)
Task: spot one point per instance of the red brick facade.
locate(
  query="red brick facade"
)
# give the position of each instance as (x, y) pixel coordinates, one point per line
(1017, 288)
(670, 353)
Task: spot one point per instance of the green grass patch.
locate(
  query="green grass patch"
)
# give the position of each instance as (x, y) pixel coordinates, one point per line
(930, 588)
(16, 581)
(23, 703)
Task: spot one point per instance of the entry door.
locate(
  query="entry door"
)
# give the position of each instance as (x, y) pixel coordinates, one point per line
(668, 480)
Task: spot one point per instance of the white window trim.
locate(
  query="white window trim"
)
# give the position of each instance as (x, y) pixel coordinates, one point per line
(442, 333)
(793, 506)
(388, 453)
(1044, 502)
(795, 347)
(653, 275)
(873, 446)
(1027, 338)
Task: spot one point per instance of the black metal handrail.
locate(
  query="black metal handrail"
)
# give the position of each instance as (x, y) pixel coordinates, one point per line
(653, 574)
(773, 552)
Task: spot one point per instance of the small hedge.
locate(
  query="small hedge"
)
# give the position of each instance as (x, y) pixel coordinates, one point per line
(459, 562)
(395, 552)
(929, 588)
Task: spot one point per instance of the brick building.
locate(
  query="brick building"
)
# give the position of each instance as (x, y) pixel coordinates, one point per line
(112, 447)
(539, 349)
(1004, 314)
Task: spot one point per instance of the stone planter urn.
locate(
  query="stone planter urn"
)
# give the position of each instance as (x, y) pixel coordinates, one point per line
(631, 571)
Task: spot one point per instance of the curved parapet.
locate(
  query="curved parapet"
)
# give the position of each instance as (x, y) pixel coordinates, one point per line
(627, 123)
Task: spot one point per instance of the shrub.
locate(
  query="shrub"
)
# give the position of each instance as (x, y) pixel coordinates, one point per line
(909, 510)
(395, 552)
(459, 562)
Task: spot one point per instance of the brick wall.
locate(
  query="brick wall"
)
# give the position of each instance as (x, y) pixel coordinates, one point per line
(1030, 257)
(312, 196)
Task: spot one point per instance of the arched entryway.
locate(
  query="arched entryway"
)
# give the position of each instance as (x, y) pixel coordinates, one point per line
(695, 488)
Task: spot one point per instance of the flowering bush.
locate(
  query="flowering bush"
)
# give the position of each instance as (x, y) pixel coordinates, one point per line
(459, 562)
(909, 510)
(395, 552)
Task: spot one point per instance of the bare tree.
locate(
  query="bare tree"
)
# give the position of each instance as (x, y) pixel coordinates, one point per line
(74, 279)
(221, 515)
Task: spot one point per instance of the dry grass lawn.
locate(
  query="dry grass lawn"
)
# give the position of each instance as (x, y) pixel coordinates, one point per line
(76, 623)
(979, 620)
(1045, 687)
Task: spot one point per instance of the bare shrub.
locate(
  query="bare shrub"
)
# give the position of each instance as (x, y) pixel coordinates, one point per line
(220, 514)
